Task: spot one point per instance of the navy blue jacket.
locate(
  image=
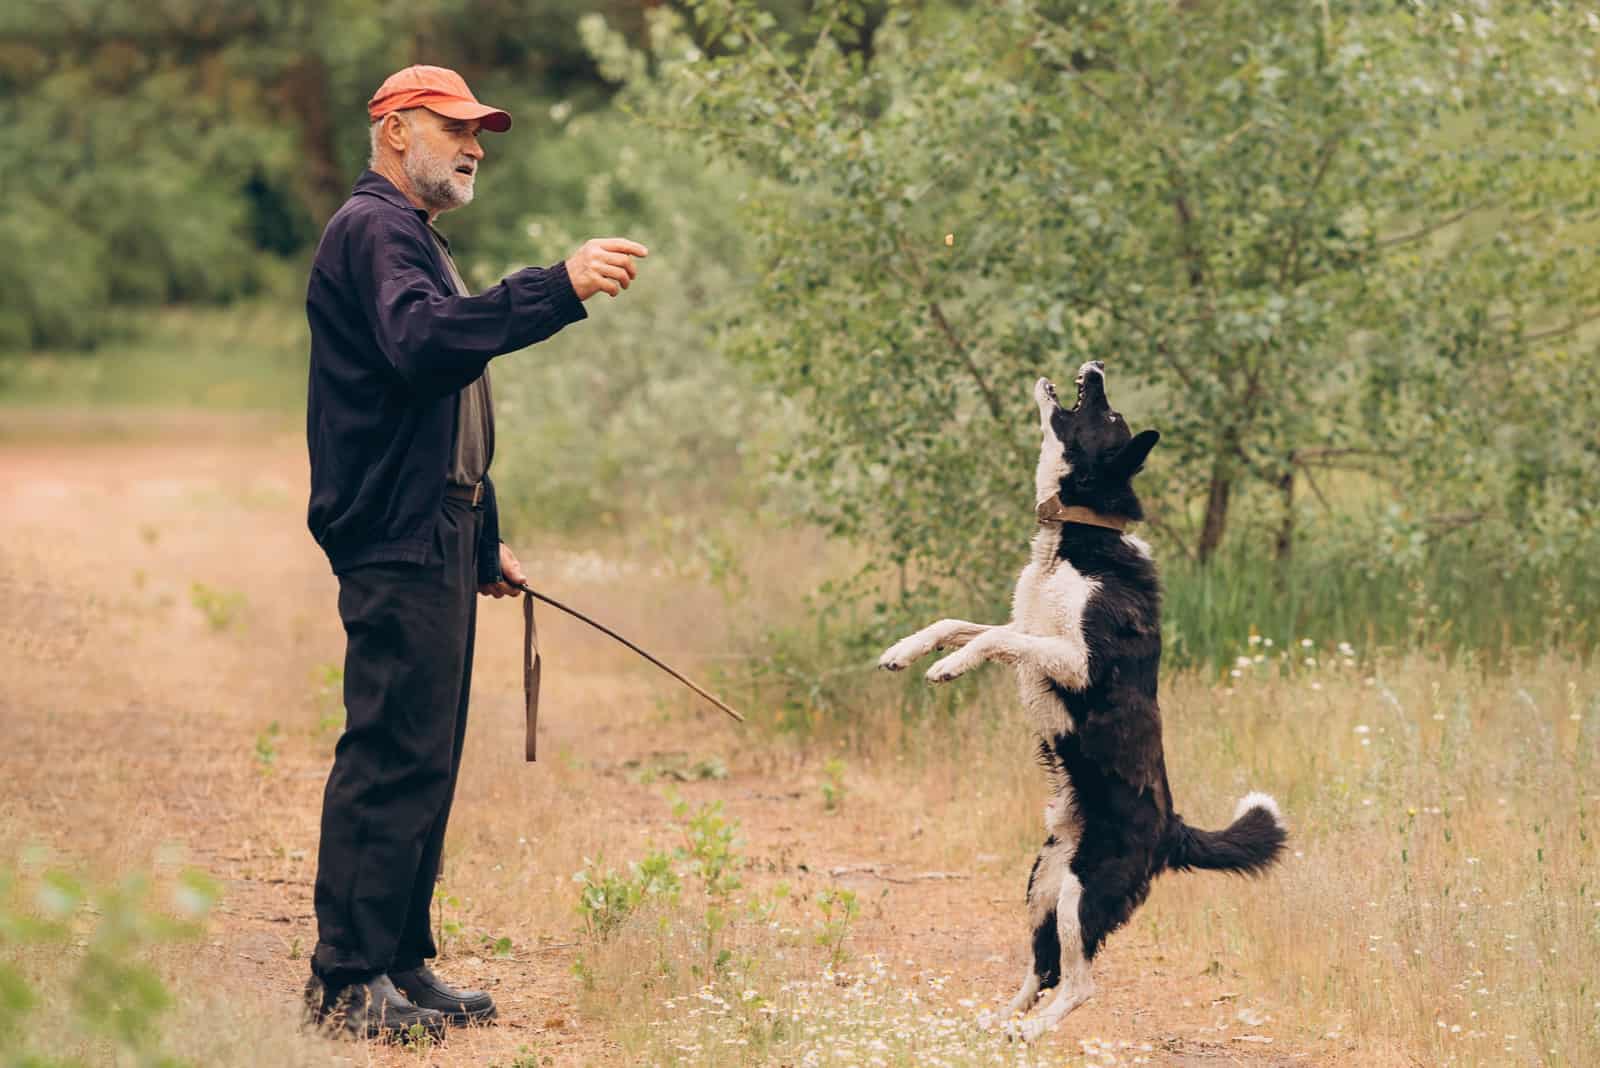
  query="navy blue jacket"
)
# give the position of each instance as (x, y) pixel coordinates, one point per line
(391, 346)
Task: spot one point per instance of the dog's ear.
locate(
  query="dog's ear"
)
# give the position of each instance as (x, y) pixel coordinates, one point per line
(1130, 458)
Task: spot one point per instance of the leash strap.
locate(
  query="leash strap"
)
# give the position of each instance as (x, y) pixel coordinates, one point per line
(530, 660)
(530, 678)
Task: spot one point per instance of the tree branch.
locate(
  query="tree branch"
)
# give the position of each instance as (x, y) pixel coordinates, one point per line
(1427, 231)
(1323, 455)
(794, 86)
(822, 35)
(1572, 327)
(965, 354)
(1312, 482)
(922, 287)
(1291, 255)
(1172, 536)
(1156, 341)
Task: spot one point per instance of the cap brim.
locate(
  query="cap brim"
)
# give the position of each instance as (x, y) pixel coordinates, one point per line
(493, 119)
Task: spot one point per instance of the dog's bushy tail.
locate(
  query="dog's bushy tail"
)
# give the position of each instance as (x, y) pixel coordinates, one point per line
(1250, 844)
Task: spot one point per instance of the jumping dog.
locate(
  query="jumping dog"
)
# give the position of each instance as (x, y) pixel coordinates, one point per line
(1085, 642)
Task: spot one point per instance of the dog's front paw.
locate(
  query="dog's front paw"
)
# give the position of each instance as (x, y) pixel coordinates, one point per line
(949, 668)
(898, 656)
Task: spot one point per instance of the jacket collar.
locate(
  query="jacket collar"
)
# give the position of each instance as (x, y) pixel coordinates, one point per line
(373, 184)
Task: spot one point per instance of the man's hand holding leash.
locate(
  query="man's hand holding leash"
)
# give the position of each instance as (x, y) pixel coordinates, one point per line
(511, 576)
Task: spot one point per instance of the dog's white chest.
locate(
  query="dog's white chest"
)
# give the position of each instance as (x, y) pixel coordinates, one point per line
(1050, 600)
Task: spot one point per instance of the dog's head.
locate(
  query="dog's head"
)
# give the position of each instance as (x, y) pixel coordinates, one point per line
(1089, 455)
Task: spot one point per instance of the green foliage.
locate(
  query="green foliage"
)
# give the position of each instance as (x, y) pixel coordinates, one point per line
(1449, 598)
(839, 908)
(635, 410)
(711, 847)
(607, 898)
(221, 608)
(525, 1058)
(327, 682)
(267, 747)
(710, 860)
(417, 1039)
(676, 766)
(447, 918)
(251, 355)
(154, 153)
(1250, 212)
(113, 995)
(833, 788)
(123, 189)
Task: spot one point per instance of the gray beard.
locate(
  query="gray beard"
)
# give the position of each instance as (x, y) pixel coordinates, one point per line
(434, 182)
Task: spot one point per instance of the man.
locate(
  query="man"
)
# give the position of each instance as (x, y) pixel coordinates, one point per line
(400, 428)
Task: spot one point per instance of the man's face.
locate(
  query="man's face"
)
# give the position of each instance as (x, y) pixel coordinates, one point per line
(442, 159)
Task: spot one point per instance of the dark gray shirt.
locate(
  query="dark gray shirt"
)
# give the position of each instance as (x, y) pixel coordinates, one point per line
(474, 444)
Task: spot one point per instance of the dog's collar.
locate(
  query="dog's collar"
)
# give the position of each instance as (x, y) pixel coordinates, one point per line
(1052, 510)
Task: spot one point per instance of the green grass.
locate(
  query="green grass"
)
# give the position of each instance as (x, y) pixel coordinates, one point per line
(1455, 599)
(247, 357)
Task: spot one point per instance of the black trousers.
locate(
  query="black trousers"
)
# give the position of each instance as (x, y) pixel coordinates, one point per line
(407, 673)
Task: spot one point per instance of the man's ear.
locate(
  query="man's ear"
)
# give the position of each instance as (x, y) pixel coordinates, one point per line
(396, 135)
(1131, 458)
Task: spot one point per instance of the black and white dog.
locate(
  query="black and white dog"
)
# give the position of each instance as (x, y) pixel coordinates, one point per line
(1085, 640)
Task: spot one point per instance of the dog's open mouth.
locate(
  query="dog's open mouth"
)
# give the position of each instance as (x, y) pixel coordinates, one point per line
(1093, 367)
(1045, 390)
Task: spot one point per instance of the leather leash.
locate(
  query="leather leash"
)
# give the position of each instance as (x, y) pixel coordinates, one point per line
(530, 663)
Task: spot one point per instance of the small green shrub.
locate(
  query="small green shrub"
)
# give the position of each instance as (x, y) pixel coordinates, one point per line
(113, 995)
(267, 747)
(833, 788)
(839, 908)
(606, 898)
(221, 608)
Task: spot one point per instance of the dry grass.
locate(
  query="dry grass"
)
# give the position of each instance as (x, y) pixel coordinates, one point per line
(1440, 896)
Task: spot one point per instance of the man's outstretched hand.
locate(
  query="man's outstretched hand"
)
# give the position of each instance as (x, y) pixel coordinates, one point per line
(511, 570)
(604, 265)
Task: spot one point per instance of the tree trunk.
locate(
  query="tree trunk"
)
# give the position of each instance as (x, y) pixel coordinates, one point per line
(1216, 523)
(1285, 544)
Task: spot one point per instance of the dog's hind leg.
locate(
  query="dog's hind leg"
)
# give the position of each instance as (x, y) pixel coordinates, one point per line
(945, 634)
(1077, 985)
(1044, 890)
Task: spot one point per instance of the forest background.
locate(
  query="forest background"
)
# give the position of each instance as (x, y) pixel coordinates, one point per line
(1342, 256)
(1343, 259)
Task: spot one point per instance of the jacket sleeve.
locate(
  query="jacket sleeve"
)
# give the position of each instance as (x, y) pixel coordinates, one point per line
(439, 341)
(489, 538)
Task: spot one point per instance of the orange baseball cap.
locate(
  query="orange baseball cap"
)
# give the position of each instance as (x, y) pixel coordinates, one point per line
(438, 89)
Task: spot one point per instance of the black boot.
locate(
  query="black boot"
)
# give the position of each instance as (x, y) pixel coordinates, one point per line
(460, 1007)
(374, 1009)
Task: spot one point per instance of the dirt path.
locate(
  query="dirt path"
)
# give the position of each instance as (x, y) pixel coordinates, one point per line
(168, 630)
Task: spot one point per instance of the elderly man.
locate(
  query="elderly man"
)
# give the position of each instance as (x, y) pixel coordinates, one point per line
(401, 433)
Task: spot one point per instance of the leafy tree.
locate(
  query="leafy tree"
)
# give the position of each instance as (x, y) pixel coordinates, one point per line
(1295, 230)
(166, 152)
